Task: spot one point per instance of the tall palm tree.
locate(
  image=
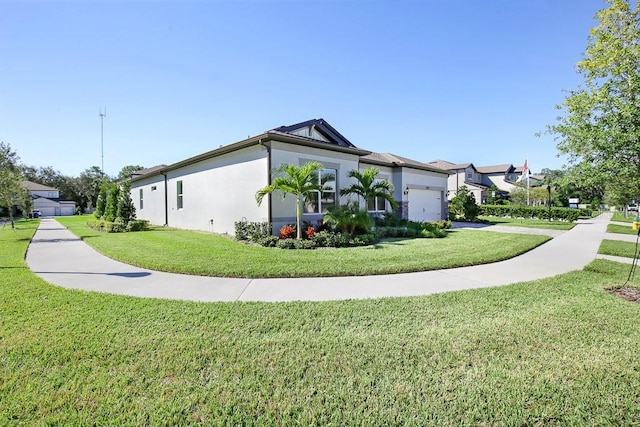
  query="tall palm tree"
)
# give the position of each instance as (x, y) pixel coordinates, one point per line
(301, 181)
(368, 188)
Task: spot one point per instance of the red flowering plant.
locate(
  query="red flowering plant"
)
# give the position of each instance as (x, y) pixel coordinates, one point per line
(310, 232)
(287, 232)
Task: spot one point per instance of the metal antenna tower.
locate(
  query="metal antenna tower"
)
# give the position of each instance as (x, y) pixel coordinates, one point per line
(102, 116)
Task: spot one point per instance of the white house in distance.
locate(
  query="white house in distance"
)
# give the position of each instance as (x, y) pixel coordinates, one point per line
(47, 200)
(213, 190)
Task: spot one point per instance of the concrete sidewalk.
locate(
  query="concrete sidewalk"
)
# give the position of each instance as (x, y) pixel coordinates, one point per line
(61, 258)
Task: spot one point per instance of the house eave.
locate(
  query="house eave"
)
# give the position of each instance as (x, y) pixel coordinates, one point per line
(405, 165)
(263, 138)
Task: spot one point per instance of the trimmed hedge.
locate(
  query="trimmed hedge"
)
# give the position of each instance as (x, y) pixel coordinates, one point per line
(534, 212)
(118, 226)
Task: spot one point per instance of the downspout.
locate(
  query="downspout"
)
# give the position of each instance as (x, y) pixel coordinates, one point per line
(166, 203)
(268, 148)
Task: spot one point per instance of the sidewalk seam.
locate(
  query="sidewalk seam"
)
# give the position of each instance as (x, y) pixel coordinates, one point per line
(243, 290)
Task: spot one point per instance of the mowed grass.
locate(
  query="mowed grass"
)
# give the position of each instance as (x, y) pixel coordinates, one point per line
(559, 351)
(201, 253)
(621, 229)
(617, 248)
(619, 216)
(529, 223)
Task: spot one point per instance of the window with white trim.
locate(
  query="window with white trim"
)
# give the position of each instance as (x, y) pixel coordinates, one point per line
(179, 193)
(320, 201)
(141, 199)
(377, 204)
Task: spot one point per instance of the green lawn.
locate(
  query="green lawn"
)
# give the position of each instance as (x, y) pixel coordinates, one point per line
(559, 351)
(617, 248)
(529, 223)
(619, 216)
(621, 229)
(212, 255)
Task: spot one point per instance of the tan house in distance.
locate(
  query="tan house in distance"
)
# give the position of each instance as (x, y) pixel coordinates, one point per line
(478, 179)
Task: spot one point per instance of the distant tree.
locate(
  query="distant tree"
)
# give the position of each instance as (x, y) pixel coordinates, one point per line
(10, 179)
(88, 186)
(369, 187)
(299, 181)
(599, 128)
(127, 172)
(463, 206)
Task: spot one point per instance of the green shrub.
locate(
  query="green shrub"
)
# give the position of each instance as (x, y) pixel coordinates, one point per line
(304, 244)
(365, 239)
(286, 243)
(269, 241)
(253, 231)
(137, 225)
(533, 212)
(321, 238)
(463, 206)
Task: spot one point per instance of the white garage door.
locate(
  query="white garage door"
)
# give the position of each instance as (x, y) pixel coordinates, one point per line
(425, 205)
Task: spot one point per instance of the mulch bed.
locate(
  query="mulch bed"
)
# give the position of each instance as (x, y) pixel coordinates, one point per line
(629, 294)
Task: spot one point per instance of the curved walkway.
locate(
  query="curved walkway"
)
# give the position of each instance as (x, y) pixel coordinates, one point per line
(59, 257)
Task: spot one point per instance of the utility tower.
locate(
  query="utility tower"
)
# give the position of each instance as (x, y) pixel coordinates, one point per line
(102, 116)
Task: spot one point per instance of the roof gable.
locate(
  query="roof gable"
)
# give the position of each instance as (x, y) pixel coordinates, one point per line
(443, 164)
(34, 186)
(318, 130)
(506, 168)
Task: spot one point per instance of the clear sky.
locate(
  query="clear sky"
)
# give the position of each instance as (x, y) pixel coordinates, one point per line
(459, 80)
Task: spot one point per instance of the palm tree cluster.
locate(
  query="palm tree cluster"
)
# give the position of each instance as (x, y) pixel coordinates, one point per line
(302, 183)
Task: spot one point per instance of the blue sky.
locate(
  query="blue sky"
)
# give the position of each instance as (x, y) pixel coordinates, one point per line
(459, 80)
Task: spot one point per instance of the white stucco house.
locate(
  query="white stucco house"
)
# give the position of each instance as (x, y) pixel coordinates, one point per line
(47, 200)
(213, 190)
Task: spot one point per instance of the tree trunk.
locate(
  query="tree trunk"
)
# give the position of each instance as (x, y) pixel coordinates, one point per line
(299, 218)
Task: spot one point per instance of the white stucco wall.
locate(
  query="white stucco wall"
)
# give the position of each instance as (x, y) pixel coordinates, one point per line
(217, 192)
(284, 211)
(153, 199)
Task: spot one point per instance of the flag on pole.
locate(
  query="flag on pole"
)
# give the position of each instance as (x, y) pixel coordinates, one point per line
(525, 172)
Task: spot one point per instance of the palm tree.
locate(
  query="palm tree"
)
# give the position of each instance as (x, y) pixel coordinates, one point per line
(301, 181)
(368, 188)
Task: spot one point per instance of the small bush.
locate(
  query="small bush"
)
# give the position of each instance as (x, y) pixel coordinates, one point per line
(365, 239)
(304, 244)
(137, 225)
(288, 232)
(286, 243)
(321, 238)
(253, 231)
(269, 241)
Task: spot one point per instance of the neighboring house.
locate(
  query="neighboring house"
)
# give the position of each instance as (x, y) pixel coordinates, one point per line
(479, 179)
(47, 200)
(213, 190)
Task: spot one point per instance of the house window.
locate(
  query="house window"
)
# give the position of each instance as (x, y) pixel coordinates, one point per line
(377, 204)
(51, 194)
(141, 200)
(470, 176)
(153, 188)
(179, 191)
(320, 201)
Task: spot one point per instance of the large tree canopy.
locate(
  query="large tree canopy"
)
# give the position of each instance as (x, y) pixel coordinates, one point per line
(599, 129)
